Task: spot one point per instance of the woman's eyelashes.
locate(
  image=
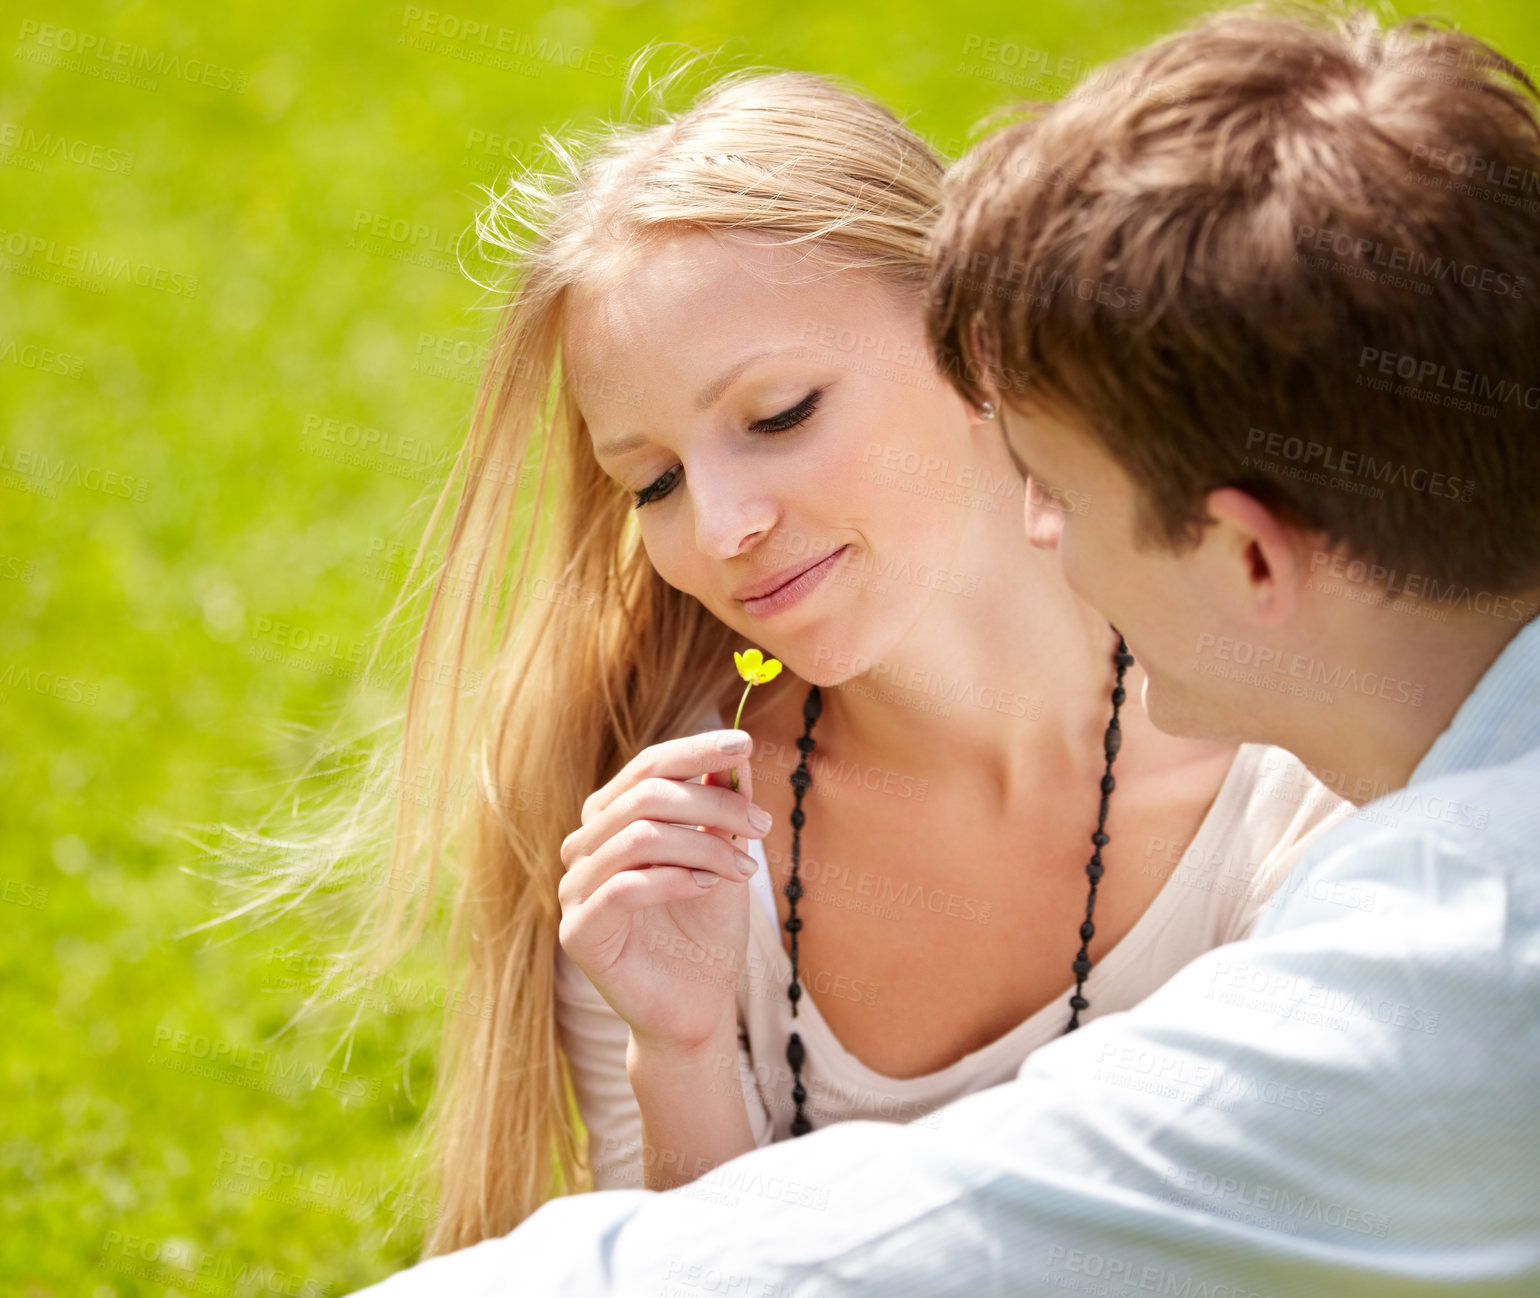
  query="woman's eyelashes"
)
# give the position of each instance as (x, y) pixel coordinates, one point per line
(789, 419)
(784, 422)
(657, 489)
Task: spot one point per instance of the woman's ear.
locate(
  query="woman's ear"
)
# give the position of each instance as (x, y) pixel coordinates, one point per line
(989, 402)
(1265, 553)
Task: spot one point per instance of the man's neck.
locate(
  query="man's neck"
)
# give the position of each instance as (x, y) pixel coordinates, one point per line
(1399, 681)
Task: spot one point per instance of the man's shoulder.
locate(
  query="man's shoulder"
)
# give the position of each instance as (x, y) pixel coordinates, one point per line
(1466, 843)
(1493, 811)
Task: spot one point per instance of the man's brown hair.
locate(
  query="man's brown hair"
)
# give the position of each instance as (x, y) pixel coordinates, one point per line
(1293, 254)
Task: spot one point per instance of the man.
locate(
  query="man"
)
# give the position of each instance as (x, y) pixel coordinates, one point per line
(1262, 295)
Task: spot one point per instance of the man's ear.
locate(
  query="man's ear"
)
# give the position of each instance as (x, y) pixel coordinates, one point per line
(1267, 549)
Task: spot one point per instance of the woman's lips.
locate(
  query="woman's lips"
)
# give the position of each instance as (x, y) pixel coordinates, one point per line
(794, 591)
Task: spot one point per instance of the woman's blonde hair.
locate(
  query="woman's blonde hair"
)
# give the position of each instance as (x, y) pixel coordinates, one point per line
(579, 654)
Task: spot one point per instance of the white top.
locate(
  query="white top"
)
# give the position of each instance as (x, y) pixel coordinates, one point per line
(1267, 811)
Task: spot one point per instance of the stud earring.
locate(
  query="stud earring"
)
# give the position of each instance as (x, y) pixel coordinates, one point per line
(987, 410)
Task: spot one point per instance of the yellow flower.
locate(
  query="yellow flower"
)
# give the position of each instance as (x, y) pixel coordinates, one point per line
(755, 668)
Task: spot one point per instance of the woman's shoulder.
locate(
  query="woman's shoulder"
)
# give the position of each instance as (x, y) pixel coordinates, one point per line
(1270, 811)
(1278, 796)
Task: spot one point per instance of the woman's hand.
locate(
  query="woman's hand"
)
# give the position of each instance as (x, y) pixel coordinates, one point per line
(654, 907)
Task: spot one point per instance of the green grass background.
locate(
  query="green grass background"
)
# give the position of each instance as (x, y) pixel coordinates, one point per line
(143, 580)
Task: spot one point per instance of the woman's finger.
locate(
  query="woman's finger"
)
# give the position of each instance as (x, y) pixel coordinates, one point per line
(744, 774)
(645, 843)
(686, 758)
(713, 807)
(595, 926)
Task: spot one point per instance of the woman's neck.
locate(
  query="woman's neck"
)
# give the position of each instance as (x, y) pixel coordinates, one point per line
(1007, 686)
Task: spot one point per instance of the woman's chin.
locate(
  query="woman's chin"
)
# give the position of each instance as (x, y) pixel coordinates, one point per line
(827, 667)
(824, 678)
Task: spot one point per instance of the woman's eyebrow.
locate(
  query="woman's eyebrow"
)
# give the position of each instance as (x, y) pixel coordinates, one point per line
(621, 445)
(707, 398)
(712, 391)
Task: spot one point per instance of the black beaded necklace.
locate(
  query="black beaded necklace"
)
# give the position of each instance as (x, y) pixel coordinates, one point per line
(801, 781)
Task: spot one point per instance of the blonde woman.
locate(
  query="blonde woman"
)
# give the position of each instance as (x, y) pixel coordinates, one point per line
(711, 414)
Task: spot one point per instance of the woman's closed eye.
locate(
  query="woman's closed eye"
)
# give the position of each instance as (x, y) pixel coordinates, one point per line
(792, 417)
(789, 419)
(658, 488)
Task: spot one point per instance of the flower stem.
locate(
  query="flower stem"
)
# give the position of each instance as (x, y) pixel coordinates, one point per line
(733, 771)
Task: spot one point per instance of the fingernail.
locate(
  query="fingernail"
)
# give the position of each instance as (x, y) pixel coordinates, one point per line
(760, 819)
(747, 864)
(705, 878)
(734, 741)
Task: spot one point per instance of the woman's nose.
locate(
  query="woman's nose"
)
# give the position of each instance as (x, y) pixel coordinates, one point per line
(729, 517)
